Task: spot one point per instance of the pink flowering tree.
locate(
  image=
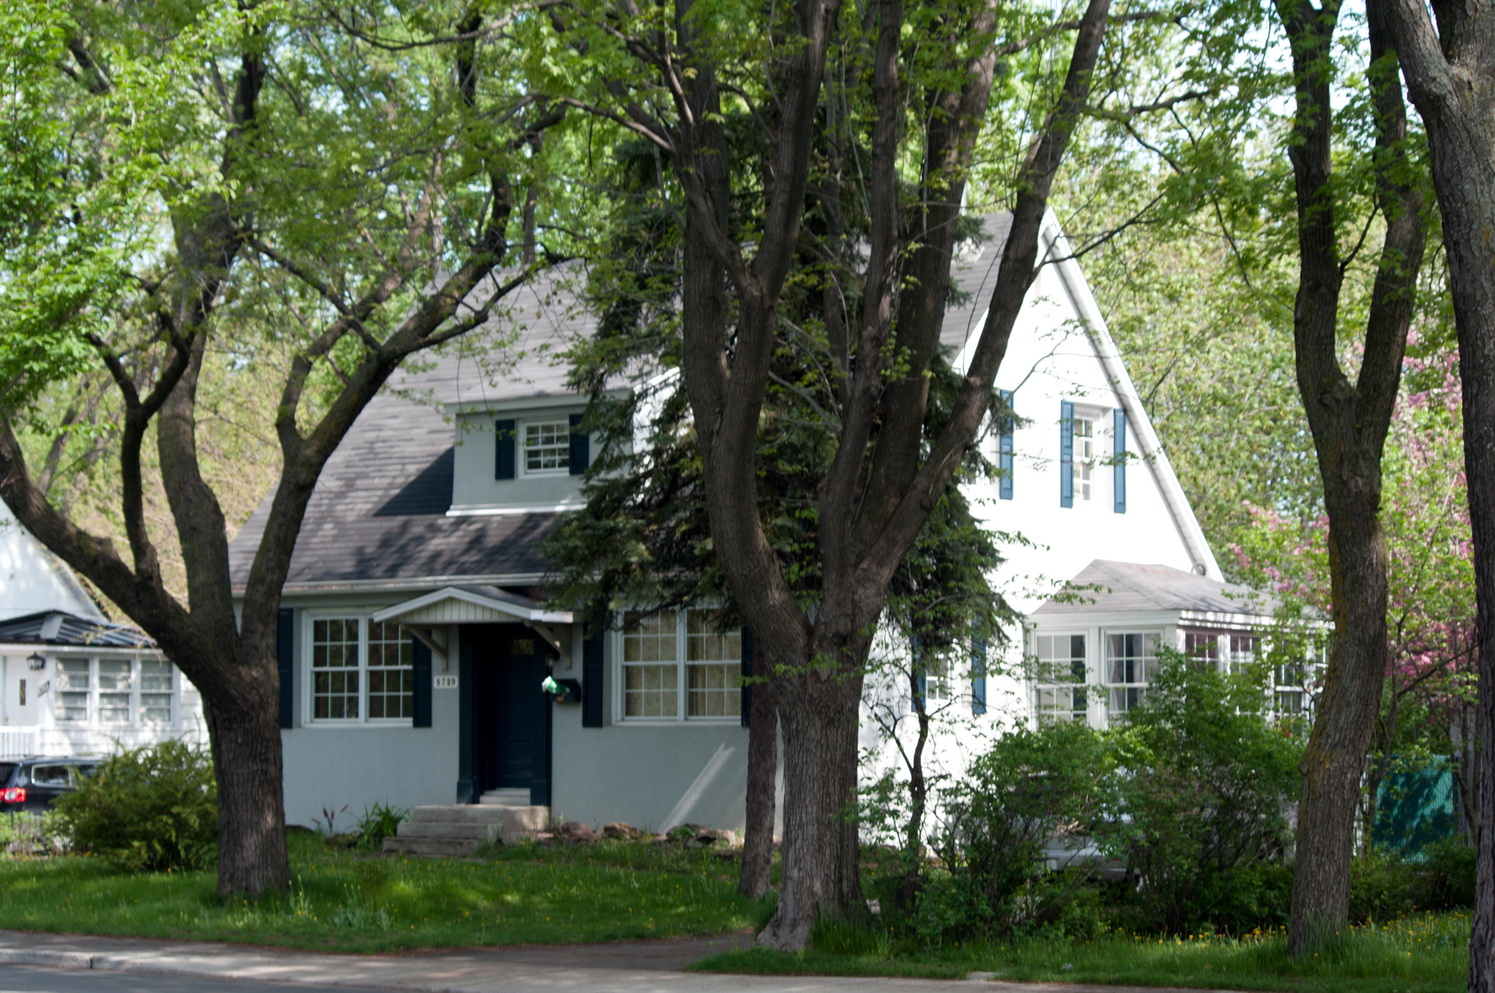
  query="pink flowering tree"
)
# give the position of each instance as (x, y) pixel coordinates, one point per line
(1430, 689)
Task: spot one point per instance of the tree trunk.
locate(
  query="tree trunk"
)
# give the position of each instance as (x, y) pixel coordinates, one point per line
(1349, 419)
(1447, 68)
(245, 737)
(819, 717)
(762, 789)
(1342, 730)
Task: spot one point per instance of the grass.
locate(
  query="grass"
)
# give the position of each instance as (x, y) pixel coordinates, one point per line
(346, 903)
(1425, 953)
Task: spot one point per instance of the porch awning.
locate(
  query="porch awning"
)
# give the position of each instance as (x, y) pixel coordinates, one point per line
(471, 605)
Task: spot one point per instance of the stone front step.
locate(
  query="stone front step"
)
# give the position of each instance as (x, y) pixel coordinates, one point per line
(433, 847)
(506, 798)
(458, 830)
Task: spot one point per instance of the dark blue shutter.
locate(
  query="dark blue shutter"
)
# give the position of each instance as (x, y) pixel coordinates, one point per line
(747, 672)
(1004, 446)
(1119, 451)
(1066, 454)
(285, 652)
(420, 692)
(581, 447)
(591, 682)
(978, 677)
(505, 465)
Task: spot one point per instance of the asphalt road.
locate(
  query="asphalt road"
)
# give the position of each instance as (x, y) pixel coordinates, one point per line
(35, 979)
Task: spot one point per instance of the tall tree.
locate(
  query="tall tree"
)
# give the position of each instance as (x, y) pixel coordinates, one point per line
(897, 95)
(210, 173)
(1349, 416)
(1447, 62)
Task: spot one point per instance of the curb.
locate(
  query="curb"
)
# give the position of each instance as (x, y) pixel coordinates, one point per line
(46, 957)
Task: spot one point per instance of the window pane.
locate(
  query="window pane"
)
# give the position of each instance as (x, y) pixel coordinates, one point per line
(1061, 693)
(650, 690)
(547, 446)
(391, 672)
(155, 676)
(335, 668)
(70, 704)
(1131, 664)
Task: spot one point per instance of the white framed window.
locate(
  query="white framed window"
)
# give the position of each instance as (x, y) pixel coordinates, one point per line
(360, 671)
(1061, 693)
(1084, 455)
(678, 665)
(1131, 665)
(109, 690)
(545, 447)
(1203, 646)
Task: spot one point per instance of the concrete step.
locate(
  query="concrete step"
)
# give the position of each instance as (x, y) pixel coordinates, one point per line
(506, 798)
(443, 829)
(434, 829)
(464, 813)
(433, 847)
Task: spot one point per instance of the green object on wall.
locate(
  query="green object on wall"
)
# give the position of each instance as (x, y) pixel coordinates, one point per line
(1414, 808)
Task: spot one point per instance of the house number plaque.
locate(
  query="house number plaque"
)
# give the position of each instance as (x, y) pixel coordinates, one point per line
(444, 682)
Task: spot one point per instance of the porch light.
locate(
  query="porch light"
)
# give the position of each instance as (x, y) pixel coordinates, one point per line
(35, 662)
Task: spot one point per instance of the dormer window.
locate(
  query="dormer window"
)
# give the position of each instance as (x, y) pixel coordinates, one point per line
(540, 446)
(547, 448)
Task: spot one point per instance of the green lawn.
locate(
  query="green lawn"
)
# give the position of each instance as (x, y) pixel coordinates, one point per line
(342, 902)
(1425, 953)
(614, 891)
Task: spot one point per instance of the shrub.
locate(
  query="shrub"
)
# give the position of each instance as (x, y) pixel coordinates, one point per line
(1447, 870)
(1383, 886)
(1032, 786)
(148, 809)
(1208, 786)
(378, 822)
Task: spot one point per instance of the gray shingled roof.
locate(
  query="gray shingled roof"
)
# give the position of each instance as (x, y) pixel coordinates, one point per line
(1128, 586)
(56, 627)
(975, 273)
(379, 510)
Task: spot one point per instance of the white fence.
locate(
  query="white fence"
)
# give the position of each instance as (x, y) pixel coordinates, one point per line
(17, 743)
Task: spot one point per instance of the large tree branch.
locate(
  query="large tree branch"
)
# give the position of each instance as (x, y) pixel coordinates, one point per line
(1014, 276)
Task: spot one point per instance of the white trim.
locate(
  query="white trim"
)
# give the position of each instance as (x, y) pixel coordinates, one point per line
(404, 584)
(518, 405)
(531, 614)
(555, 508)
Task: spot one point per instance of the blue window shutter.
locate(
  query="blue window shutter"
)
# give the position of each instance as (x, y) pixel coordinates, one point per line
(1066, 454)
(1004, 446)
(581, 447)
(420, 694)
(591, 682)
(505, 464)
(747, 671)
(1119, 451)
(285, 650)
(978, 677)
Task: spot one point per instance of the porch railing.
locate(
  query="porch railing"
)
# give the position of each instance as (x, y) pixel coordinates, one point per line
(17, 743)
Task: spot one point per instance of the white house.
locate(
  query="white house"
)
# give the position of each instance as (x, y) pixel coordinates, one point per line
(71, 681)
(413, 650)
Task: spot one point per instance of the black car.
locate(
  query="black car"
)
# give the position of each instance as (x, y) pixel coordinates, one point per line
(33, 783)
